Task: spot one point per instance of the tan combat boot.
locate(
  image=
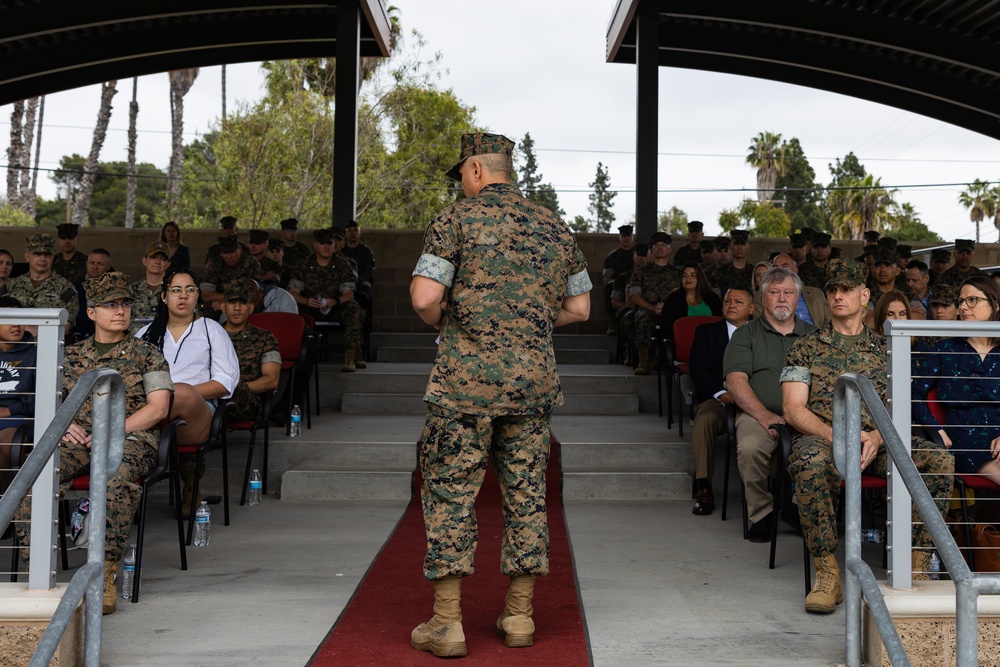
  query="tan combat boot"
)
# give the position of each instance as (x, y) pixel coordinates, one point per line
(348, 366)
(643, 367)
(920, 564)
(443, 635)
(515, 624)
(110, 592)
(826, 593)
(359, 359)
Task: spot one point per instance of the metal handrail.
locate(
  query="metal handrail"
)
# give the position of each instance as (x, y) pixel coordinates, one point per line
(850, 392)
(107, 389)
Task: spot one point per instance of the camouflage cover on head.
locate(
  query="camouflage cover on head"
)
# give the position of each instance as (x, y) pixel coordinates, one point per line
(158, 248)
(112, 285)
(258, 236)
(696, 226)
(338, 233)
(67, 230)
(740, 236)
(797, 240)
(228, 243)
(821, 239)
(904, 251)
(659, 237)
(846, 273)
(352, 223)
(323, 235)
(241, 288)
(481, 143)
(625, 230)
(722, 242)
(965, 245)
(289, 223)
(40, 243)
(887, 242)
(940, 255)
(275, 244)
(227, 222)
(871, 236)
(943, 293)
(886, 256)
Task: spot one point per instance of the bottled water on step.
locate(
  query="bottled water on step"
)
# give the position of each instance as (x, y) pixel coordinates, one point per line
(253, 499)
(203, 526)
(130, 573)
(295, 428)
(935, 572)
(872, 535)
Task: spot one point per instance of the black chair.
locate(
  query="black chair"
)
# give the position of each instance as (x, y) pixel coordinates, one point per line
(731, 412)
(216, 440)
(263, 421)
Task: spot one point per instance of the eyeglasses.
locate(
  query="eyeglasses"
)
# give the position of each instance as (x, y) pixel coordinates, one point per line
(125, 304)
(190, 289)
(971, 301)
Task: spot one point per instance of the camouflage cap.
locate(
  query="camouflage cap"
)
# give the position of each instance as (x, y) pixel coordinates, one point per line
(275, 244)
(707, 247)
(886, 256)
(258, 236)
(904, 251)
(337, 232)
(845, 273)
(625, 230)
(157, 248)
(67, 230)
(112, 285)
(942, 293)
(871, 236)
(289, 223)
(696, 226)
(797, 240)
(241, 288)
(481, 143)
(40, 243)
(940, 255)
(808, 233)
(741, 236)
(323, 235)
(227, 222)
(352, 223)
(965, 245)
(659, 237)
(722, 243)
(821, 239)
(228, 243)
(887, 242)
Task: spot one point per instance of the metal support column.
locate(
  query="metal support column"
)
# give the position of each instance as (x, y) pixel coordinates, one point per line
(647, 118)
(345, 124)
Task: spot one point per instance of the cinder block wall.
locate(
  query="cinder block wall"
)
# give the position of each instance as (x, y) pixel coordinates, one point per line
(396, 253)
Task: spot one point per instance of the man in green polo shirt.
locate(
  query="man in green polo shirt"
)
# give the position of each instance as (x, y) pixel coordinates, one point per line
(752, 364)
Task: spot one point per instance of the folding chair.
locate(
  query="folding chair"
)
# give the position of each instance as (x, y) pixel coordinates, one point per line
(216, 440)
(289, 329)
(262, 422)
(677, 355)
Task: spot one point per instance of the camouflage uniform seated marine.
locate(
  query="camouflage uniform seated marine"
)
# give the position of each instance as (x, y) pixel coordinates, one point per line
(954, 275)
(255, 347)
(73, 269)
(145, 297)
(653, 283)
(728, 276)
(218, 273)
(52, 291)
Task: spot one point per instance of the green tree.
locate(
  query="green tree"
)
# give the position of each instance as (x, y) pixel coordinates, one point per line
(906, 225)
(859, 205)
(13, 216)
(674, 221)
(848, 170)
(803, 196)
(977, 199)
(580, 225)
(529, 179)
(108, 199)
(601, 200)
(766, 154)
(729, 219)
(762, 219)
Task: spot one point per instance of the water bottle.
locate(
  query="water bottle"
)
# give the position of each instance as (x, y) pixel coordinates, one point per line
(130, 573)
(295, 428)
(255, 488)
(203, 526)
(873, 535)
(935, 572)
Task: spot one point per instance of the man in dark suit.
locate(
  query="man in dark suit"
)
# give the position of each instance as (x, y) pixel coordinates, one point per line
(707, 351)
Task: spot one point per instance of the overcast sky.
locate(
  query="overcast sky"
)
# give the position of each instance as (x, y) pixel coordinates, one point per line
(540, 67)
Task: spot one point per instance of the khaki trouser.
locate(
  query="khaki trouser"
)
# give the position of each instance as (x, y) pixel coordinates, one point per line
(754, 451)
(709, 423)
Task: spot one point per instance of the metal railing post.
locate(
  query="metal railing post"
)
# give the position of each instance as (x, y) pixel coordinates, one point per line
(899, 543)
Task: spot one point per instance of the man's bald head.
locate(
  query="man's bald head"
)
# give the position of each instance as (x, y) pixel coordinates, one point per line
(786, 262)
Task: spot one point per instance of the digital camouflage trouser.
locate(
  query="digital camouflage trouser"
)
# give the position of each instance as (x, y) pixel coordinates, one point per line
(350, 315)
(123, 492)
(454, 451)
(645, 322)
(244, 404)
(817, 487)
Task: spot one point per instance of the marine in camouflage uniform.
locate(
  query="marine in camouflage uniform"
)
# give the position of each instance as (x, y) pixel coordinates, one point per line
(218, 273)
(51, 291)
(955, 275)
(818, 360)
(144, 371)
(728, 276)
(509, 265)
(330, 277)
(254, 347)
(649, 286)
(146, 298)
(617, 265)
(73, 269)
(686, 253)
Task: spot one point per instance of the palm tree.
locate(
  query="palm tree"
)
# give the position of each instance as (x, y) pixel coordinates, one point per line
(975, 199)
(133, 113)
(181, 81)
(860, 205)
(767, 154)
(86, 183)
(992, 205)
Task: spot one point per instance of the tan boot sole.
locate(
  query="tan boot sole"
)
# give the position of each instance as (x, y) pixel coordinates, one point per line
(452, 650)
(512, 640)
(815, 608)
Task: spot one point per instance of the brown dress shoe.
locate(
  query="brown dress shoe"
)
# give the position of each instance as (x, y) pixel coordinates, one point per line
(705, 503)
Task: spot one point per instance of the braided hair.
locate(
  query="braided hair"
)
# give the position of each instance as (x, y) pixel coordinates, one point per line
(158, 327)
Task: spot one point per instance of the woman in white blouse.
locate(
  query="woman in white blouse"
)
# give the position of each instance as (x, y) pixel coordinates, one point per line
(203, 363)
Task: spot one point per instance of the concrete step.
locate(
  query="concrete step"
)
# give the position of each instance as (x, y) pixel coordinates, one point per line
(346, 484)
(413, 404)
(416, 355)
(672, 456)
(566, 356)
(626, 484)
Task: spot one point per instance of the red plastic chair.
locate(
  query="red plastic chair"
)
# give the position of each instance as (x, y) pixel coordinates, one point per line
(289, 329)
(678, 355)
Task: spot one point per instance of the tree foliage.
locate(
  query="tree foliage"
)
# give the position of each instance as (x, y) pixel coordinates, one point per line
(601, 200)
(580, 224)
(906, 225)
(804, 201)
(674, 221)
(980, 202)
(767, 155)
(108, 201)
(860, 205)
(529, 179)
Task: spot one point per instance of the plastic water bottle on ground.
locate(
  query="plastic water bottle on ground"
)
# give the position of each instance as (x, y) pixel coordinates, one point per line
(203, 526)
(935, 572)
(873, 535)
(130, 573)
(295, 428)
(253, 499)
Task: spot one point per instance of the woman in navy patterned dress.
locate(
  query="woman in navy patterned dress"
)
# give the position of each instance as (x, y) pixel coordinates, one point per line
(966, 374)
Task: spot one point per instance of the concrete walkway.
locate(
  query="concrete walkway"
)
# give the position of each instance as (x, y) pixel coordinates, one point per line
(660, 586)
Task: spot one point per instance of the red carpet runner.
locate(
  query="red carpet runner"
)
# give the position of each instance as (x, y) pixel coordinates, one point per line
(374, 628)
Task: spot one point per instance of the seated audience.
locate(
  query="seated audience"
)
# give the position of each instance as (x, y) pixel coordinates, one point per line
(649, 285)
(707, 350)
(695, 297)
(17, 384)
(178, 253)
(230, 263)
(146, 292)
(98, 263)
(6, 266)
(256, 349)
(147, 400)
(759, 269)
(893, 305)
(69, 262)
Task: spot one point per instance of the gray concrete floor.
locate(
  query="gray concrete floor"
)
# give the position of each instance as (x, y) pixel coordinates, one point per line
(659, 585)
